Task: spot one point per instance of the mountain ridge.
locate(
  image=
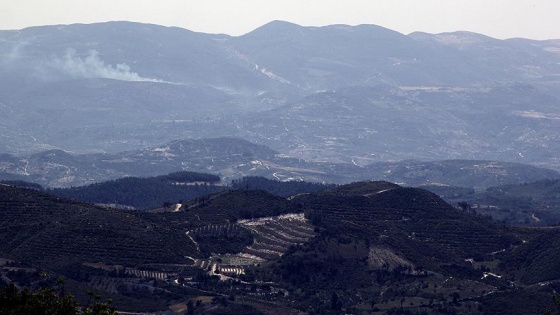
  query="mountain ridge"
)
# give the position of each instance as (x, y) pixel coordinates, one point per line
(155, 84)
(233, 158)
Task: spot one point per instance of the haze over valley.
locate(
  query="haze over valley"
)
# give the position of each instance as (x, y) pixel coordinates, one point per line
(336, 94)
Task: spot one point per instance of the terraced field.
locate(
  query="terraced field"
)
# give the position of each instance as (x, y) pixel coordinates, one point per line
(272, 236)
(215, 230)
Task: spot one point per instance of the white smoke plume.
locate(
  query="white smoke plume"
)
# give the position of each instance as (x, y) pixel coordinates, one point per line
(12, 55)
(93, 67)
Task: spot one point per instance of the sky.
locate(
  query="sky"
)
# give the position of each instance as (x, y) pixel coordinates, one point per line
(535, 19)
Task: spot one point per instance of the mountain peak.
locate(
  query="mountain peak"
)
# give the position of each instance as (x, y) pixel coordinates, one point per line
(275, 28)
(282, 28)
(459, 38)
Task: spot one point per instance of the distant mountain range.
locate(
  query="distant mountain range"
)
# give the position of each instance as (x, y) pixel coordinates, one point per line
(232, 158)
(338, 93)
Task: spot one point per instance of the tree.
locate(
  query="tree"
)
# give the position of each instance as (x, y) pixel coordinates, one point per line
(464, 205)
(47, 301)
(455, 297)
(190, 307)
(335, 303)
(556, 300)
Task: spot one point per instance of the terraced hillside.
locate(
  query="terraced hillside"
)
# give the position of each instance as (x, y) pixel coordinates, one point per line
(54, 232)
(410, 219)
(272, 237)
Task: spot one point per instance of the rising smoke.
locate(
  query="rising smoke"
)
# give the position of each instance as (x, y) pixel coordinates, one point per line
(92, 66)
(12, 55)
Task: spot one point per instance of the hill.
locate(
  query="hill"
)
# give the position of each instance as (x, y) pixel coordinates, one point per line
(145, 193)
(410, 217)
(533, 261)
(275, 187)
(393, 244)
(57, 168)
(533, 203)
(230, 206)
(232, 159)
(179, 187)
(54, 233)
(461, 173)
(213, 219)
(357, 248)
(355, 124)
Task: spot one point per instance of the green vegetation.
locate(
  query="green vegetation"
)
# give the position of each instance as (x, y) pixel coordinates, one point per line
(153, 192)
(556, 301)
(48, 301)
(374, 247)
(406, 248)
(229, 206)
(222, 239)
(9, 177)
(463, 173)
(145, 193)
(410, 219)
(21, 183)
(517, 302)
(532, 204)
(53, 232)
(282, 189)
(536, 260)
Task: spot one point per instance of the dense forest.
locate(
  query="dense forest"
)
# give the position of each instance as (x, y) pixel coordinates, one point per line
(179, 187)
(366, 247)
(145, 193)
(528, 204)
(282, 189)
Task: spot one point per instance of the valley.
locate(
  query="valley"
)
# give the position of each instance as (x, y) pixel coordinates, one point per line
(233, 158)
(325, 94)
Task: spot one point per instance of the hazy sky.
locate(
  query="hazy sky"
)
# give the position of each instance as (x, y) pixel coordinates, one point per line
(537, 19)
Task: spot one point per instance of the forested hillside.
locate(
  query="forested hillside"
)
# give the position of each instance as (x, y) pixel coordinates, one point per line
(365, 247)
(145, 193)
(528, 204)
(53, 232)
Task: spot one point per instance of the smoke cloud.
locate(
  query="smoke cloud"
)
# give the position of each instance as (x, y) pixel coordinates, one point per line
(12, 55)
(93, 67)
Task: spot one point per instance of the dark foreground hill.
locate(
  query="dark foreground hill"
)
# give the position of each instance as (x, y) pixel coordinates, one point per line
(417, 223)
(406, 249)
(145, 193)
(366, 247)
(180, 187)
(53, 232)
(531, 203)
